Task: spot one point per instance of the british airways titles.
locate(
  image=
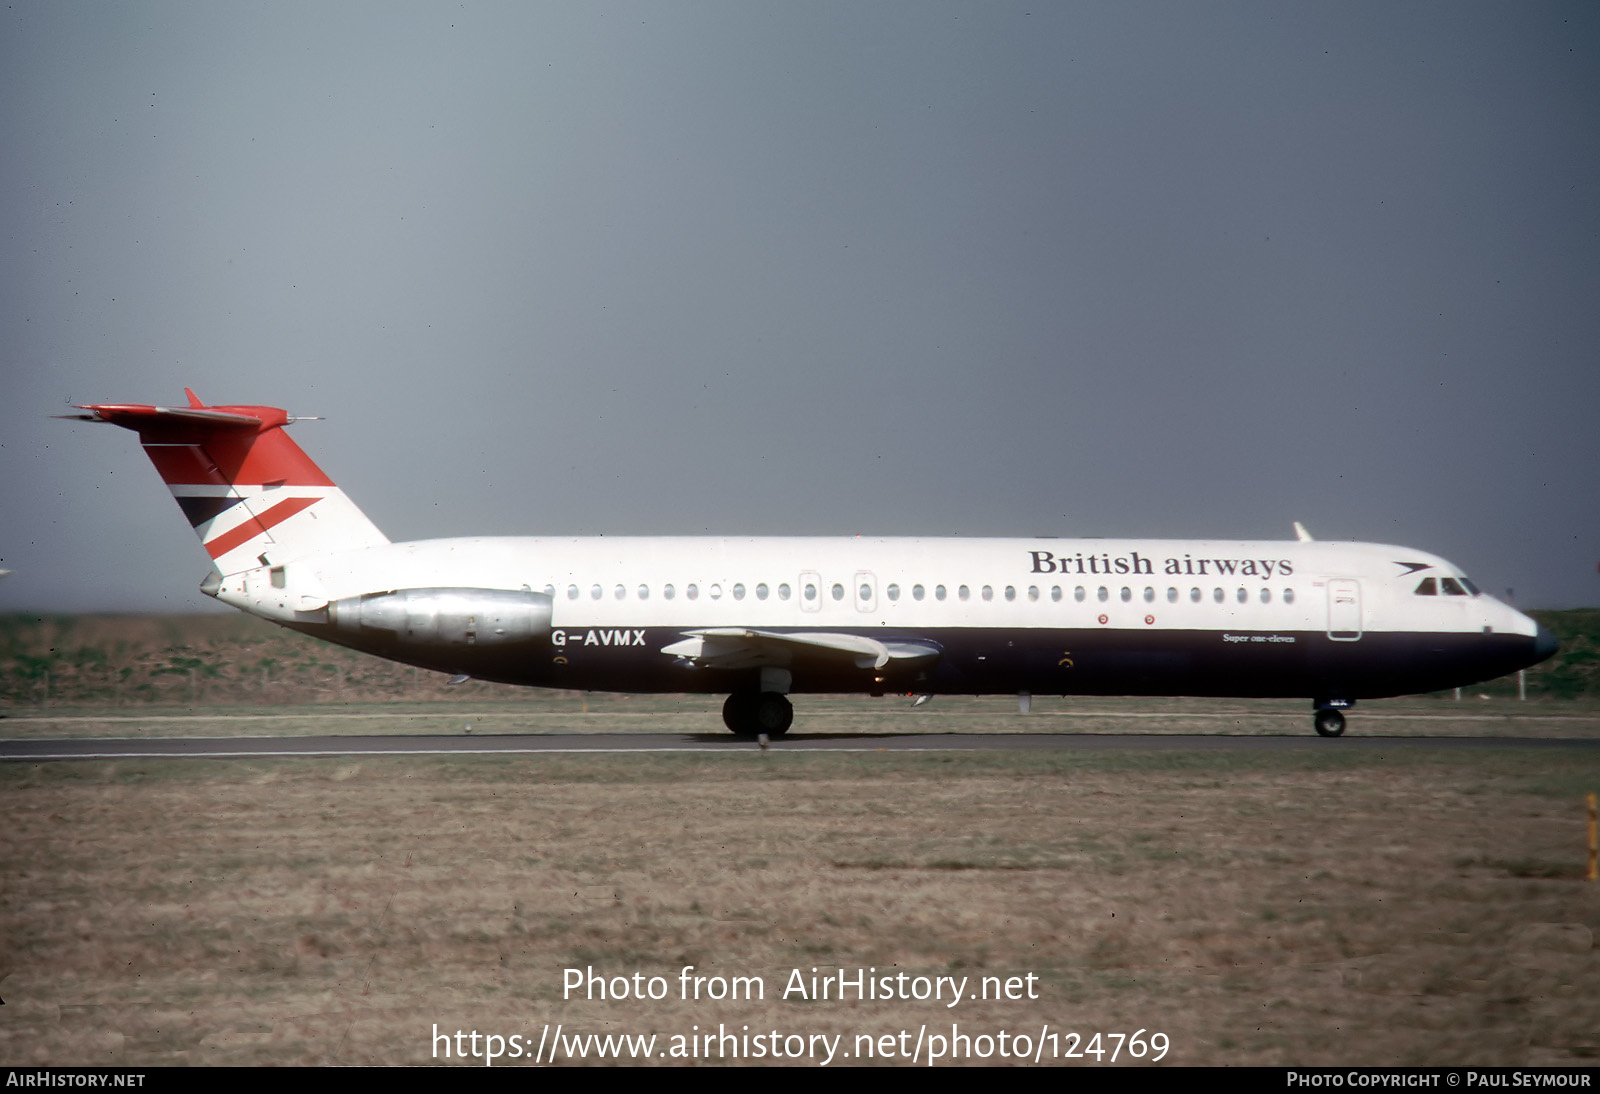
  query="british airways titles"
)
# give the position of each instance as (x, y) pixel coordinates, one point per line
(1044, 562)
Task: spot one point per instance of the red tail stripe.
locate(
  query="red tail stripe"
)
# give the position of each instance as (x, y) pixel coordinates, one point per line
(256, 526)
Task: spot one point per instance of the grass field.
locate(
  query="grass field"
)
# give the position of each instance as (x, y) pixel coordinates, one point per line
(1408, 907)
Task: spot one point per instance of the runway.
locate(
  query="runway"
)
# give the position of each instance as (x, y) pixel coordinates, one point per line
(114, 748)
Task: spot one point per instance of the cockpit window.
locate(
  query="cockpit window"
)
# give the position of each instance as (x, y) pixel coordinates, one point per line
(1471, 588)
(1451, 587)
(1429, 587)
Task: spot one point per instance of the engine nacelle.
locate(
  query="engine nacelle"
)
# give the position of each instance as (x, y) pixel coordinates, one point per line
(443, 619)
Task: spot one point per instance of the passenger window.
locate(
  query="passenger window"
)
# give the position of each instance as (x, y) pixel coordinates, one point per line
(716, 592)
(1244, 594)
(1011, 592)
(1288, 596)
(1055, 593)
(619, 592)
(1079, 594)
(1127, 594)
(549, 590)
(1102, 594)
(761, 591)
(1218, 595)
(894, 591)
(1033, 593)
(838, 591)
(916, 592)
(644, 592)
(1451, 587)
(1266, 596)
(668, 591)
(865, 592)
(1429, 587)
(1194, 594)
(1149, 595)
(572, 592)
(1172, 596)
(811, 592)
(964, 593)
(596, 593)
(988, 592)
(938, 592)
(738, 590)
(691, 591)
(783, 591)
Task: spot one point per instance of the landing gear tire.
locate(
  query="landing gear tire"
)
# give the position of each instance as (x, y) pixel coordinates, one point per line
(736, 711)
(773, 714)
(749, 713)
(1329, 723)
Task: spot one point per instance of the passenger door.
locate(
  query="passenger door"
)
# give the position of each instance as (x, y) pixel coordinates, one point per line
(1344, 609)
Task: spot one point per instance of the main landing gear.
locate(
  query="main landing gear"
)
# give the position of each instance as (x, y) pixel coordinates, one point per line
(749, 713)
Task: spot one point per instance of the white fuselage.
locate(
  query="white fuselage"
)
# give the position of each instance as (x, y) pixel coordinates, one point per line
(1214, 613)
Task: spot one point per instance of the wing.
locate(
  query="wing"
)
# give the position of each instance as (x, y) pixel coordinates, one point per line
(738, 648)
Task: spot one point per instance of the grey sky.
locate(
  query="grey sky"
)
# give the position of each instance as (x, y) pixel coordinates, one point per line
(1166, 269)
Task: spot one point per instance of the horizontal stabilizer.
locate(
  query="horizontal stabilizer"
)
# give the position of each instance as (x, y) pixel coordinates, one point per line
(136, 417)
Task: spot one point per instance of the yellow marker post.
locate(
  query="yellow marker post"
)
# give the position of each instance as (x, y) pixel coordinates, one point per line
(1594, 842)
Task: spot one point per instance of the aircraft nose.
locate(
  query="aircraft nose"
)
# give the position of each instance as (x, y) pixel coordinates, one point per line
(1544, 642)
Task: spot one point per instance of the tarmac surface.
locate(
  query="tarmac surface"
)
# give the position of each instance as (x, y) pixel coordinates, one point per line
(106, 748)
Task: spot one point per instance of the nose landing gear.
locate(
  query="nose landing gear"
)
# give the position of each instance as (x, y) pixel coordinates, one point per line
(1329, 723)
(1329, 716)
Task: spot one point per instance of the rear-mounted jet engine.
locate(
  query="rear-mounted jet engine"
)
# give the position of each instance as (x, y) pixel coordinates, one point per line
(429, 621)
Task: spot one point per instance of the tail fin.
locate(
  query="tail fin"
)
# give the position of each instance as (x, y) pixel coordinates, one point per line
(253, 497)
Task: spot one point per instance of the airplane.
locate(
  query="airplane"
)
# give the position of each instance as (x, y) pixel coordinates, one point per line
(762, 618)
